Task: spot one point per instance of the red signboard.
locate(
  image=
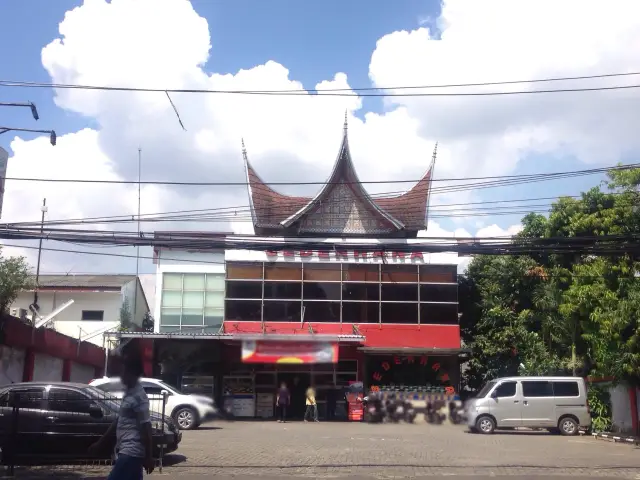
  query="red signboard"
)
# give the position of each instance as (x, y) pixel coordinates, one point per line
(264, 351)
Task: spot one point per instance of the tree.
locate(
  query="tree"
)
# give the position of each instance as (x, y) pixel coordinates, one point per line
(125, 315)
(15, 276)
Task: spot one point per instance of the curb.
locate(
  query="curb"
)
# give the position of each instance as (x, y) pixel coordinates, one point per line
(617, 438)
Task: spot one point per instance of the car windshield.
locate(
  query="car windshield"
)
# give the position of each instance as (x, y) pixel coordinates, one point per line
(483, 393)
(102, 397)
(171, 389)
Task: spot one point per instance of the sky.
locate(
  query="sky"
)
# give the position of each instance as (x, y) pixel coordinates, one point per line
(288, 44)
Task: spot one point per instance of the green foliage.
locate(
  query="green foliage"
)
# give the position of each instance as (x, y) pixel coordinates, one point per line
(15, 276)
(568, 314)
(599, 401)
(125, 316)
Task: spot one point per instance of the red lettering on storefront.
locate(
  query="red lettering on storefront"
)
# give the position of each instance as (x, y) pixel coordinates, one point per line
(398, 255)
(358, 254)
(397, 360)
(423, 360)
(306, 253)
(417, 256)
(272, 253)
(288, 253)
(323, 254)
(386, 366)
(342, 254)
(379, 255)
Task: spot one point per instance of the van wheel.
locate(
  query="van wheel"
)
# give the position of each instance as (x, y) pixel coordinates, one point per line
(186, 418)
(485, 425)
(568, 426)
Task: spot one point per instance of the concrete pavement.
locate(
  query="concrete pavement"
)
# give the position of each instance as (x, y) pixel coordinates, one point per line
(356, 450)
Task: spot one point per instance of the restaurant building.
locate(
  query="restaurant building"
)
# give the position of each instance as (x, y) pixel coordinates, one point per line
(338, 292)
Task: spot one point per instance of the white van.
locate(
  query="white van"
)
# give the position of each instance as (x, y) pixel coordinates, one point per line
(556, 403)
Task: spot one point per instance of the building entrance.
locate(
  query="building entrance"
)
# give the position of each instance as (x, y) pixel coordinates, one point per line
(297, 383)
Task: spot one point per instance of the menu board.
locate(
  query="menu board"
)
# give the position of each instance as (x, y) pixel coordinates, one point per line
(243, 406)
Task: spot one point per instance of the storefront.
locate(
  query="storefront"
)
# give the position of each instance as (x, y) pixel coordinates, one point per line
(341, 268)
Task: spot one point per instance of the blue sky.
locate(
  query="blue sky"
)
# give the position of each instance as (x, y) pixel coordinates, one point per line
(312, 40)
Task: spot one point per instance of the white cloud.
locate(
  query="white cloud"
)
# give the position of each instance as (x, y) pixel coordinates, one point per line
(164, 44)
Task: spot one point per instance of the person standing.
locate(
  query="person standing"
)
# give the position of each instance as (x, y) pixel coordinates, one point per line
(283, 399)
(134, 442)
(312, 407)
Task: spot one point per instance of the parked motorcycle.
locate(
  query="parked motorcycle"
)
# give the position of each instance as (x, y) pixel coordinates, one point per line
(456, 413)
(433, 413)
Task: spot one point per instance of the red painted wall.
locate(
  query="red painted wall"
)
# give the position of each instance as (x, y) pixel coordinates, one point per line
(15, 333)
(377, 335)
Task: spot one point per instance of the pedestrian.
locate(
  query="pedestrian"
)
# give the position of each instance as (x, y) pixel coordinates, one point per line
(132, 428)
(312, 406)
(283, 399)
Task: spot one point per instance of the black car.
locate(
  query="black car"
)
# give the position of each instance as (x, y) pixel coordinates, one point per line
(60, 420)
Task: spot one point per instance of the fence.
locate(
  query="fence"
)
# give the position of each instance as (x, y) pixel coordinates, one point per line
(60, 427)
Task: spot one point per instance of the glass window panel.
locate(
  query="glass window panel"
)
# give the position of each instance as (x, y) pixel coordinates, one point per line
(282, 290)
(165, 329)
(399, 292)
(439, 313)
(322, 311)
(193, 281)
(360, 273)
(213, 316)
(171, 299)
(240, 289)
(360, 312)
(282, 311)
(172, 281)
(361, 291)
(283, 272)
(214, 299)
(170, 316)
(243, 310)
(322, 272)
(321, 291)
(399, 312)
(215, 281)
(439, 273)
(244, 271)
(439, 293)
(399, 273)
(192, 316)
(347, 366)
(193, 300)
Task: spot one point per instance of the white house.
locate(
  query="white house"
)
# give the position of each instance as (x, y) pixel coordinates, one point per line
(97, 303)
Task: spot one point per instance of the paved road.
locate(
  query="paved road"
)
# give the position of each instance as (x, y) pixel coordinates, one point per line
(391, 451)
(356, 450)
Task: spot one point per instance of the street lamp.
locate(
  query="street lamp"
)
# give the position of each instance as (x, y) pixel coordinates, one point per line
(52, 133)
(31, 105)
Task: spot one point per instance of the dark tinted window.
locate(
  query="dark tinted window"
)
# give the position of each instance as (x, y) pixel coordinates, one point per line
(28, 397)
(537, 389)
(61, 400)
(566, 389)
(152, 388)
(506, 389)
(4, 399)
(93, 315)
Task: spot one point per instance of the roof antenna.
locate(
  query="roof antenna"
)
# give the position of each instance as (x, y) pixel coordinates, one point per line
(346, 123)
(435, 154)
(244, 150)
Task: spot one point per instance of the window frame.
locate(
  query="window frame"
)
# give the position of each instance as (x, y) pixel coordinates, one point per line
(573, 382)
(54, 389)
(547, 382)
(494, 392)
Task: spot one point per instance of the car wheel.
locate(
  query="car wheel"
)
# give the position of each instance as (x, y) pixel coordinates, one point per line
(568, 426)
(485, 425)
(186, 418)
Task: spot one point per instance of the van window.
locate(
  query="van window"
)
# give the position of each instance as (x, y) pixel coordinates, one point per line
(536, 388)
(506, 389)
(483, 392)
(566, 389)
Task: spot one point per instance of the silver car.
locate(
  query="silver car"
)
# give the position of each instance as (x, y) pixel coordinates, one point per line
(555, 403)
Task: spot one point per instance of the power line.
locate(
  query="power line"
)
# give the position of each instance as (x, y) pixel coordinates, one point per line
(342, 91)
(562, 174)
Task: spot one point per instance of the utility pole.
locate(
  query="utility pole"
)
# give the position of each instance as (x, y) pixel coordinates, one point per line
(36, 307)
(135, 295)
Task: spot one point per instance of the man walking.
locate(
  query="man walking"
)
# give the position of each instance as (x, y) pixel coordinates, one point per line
(312, 407)
(132, 427)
